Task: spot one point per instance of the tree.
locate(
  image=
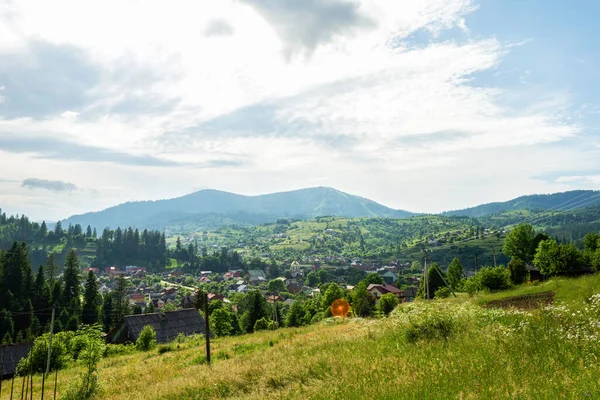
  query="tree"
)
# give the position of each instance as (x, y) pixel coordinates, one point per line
(312, 279)
(323, 276)
(120, 300)
(220, 322)
(517, 271)
(276, 286)
(455, 273)
(493, 278)
(107, 312)
(332, 293)
(90, 300)
(147, 339)
(591, 242)
(387, 303)
(519, 243)
(295, 316)
(434, 274)
(362, 301)
(544, 256)
(554, 259)
(254, 310)
(88, 232)
(372, 278)
(72, 280)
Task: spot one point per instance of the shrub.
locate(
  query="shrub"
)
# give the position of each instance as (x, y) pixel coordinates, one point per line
(493, 278)
(431, 327)
(261, 324)
(387, 303)
(517, 271)
(442, 293)
(164, 349)
(147, 339)
(470, 285)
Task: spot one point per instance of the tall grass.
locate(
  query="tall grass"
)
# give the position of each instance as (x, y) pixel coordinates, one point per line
(437, 350)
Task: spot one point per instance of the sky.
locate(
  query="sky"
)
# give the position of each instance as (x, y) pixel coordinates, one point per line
(423, 105)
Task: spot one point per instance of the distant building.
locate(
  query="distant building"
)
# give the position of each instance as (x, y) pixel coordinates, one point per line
(10, 355)
(378, 290)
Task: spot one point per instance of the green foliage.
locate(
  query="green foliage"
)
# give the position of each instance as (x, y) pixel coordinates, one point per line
(519, 243)
(220, 322)
(85, 385)
(442, 293)
(147, 339)
(363, 302)
(517, 270)
(387, 303)
(91, 297)
(253, 308)
(431, 325)
(372, 278)
(276, 286)
(264, 324)
(333, 293)
(493, 278)
(455, 273)
(554, 259)
(312, 279)
(435, 274)
(295, 315)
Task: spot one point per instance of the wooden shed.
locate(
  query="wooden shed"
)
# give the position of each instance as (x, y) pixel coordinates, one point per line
(167, 325)
(10, 355)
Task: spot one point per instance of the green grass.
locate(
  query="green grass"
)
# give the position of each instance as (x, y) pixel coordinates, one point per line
(449, 349)
(570, 291)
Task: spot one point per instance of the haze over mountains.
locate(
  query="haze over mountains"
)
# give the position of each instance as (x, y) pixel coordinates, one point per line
(209, 209)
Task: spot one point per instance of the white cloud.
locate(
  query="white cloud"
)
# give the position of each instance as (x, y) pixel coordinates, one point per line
(359, 108)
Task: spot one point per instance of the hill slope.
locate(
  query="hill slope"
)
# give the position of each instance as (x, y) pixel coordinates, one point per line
(560, 201)
(213, 208)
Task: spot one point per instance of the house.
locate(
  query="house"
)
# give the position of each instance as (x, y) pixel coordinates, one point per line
(113, 272)
(289, 302)
(388, 276)
(274, 298)
(139, 299)
(10, 355)
(242, 289)
(228, 275)
(215, 296)
(167, 325)
(378, 290)
(176, 273)
(410, 293)
(135, 271)
(257, 276)
(294, 285)
(94, 270)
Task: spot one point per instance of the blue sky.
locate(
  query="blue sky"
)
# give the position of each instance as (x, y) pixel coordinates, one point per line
(425, 105)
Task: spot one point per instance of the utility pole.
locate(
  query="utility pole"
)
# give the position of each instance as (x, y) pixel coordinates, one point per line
(2, 372)
(206, 318)
(476, 261)
(49, 352)
(494, 249)
(426, 276)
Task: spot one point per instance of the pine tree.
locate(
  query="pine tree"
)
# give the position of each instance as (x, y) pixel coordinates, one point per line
(71, 278)
(90, 300)
(120, 300)
(107, 312)
(88, 232)
(455, 273)
(41, 294)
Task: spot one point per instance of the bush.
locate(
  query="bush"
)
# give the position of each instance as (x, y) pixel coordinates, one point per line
(147, 339)
(442, 293)
(164, 349)
(264, 324)
(517, 271)
(470, 285)
(387, 303)
(493, 278)
(432, 326)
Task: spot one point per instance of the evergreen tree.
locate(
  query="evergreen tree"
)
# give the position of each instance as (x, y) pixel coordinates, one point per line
(94, 234)
(363, 302)
(43, 231)
(88, 232)
(120, 300)
(41, 294)
(107, 312)
(72, 281)
(255, 309)
(90, 300)
(455, 273)
(7, 326)
(12, 274)
(517, 270)
(150, 308)
(51, 271)
(295, 316)
(58, 231)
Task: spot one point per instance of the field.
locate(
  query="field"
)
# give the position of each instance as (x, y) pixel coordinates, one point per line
(447, 349)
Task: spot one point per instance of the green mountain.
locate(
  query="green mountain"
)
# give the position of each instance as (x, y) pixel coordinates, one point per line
(564, 201)
(209, 209)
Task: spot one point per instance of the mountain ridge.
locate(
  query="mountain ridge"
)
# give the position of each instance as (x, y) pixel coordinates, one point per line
(212, 208)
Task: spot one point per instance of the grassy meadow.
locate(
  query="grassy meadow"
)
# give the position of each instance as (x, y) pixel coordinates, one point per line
(445, 349)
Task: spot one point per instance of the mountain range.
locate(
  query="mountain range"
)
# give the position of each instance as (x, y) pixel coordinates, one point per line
(210, 209)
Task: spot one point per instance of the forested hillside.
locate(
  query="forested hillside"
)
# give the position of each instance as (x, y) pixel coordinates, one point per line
(213, 208)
